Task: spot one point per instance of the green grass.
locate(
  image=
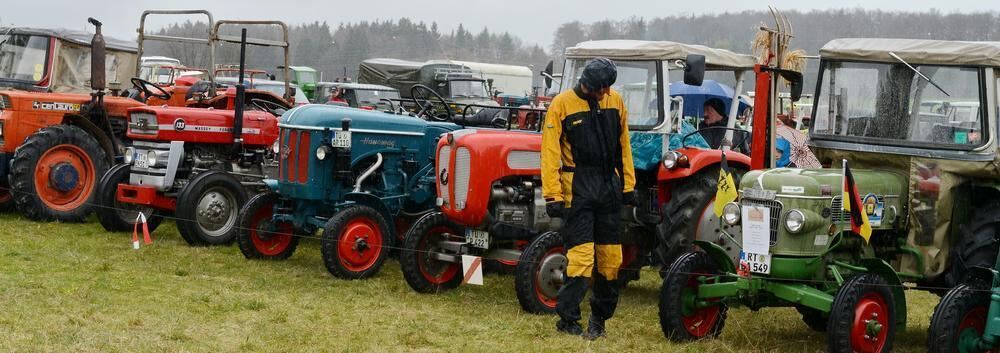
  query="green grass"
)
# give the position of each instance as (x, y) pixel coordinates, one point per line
(71, 287)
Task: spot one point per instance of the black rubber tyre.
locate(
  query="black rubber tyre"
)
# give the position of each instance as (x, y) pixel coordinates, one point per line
(6, 197)
(422, 273)
(218, 194)
(681, 277)
(688, 200)
(116, 216)
(870, 296)
(977, 244)
(356, 242)
(258, 236)
(75, 205)
(815, 319)
(541, 255)
(964, 307)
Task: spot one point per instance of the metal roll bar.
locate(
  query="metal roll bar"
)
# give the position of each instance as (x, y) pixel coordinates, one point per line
(208, 40)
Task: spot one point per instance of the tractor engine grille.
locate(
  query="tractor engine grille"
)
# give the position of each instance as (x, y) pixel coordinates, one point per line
(463, 161)
(775, 210)
(295, 152)
(837, 214)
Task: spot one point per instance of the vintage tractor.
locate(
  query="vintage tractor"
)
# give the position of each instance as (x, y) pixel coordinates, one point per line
(495, 209)
(966, 318)
(926, 182)
(197, 163)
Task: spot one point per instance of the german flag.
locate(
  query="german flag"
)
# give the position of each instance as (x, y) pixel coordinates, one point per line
(726, 191)
(852, 205)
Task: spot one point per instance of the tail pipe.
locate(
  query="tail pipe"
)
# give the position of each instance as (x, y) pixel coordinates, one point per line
(98, 54)
(240, 96)
(368, 172)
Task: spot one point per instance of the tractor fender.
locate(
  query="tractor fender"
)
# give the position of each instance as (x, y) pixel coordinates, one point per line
(983, 273)
(699, 159)
(95, 131)
(376, 203)
(718, 254)
(881, 268)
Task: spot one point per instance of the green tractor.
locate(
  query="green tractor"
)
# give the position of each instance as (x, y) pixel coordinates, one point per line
(305, 78)
(925, 170)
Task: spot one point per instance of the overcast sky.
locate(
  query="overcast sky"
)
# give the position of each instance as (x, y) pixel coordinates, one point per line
(532, 20)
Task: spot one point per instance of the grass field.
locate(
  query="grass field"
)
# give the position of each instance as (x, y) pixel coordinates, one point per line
(70, 287)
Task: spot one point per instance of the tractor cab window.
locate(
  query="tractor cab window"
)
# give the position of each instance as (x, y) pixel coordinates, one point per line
(22, 57)
(889, 103)
(637, 83)
(467, 89)
(370, 98)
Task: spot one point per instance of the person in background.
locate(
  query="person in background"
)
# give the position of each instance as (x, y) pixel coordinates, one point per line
(715, 116)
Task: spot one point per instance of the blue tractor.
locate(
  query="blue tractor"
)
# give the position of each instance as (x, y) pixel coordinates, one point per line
(356, 174)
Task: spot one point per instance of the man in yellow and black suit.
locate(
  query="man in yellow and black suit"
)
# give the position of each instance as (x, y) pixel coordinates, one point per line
(587, 176)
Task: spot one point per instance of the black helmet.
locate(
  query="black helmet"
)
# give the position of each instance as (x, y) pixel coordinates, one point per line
(599, 73)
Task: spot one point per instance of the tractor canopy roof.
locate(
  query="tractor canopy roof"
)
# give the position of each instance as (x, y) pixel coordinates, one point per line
(914, 51)
(77, 37)
(637, 50)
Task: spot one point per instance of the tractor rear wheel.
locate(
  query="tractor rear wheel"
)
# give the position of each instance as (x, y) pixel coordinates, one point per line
(423, 272)
(258, 236)
(680, 320)
(690, 206)
(208, 208)
(540, 273)
(863, 316)
(116, 216)
(960, 318)
(977, 245)
(54, 173)
(355, 243)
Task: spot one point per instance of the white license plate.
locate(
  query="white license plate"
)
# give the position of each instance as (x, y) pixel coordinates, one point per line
(140, 160)
(341, 139)
(756, 263)
(477, 238)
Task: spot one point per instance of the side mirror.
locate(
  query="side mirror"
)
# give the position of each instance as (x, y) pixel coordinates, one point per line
(795, 83)
(694, 70)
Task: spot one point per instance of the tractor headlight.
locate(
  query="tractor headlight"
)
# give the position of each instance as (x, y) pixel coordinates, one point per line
(670, 160)
(794, 221)
(322, 152)
(151, 159)
(731, 214)
(129, 156)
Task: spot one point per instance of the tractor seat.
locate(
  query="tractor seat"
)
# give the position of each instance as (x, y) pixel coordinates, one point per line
(485, 117)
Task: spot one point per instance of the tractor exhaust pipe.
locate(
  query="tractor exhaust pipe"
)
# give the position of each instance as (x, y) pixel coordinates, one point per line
(240, 96)
(368, 172)
(98, 53)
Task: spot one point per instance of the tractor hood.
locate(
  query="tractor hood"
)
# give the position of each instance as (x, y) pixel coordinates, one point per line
(331, 116)
(824, 182)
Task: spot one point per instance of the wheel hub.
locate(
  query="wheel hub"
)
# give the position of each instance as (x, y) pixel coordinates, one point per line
(552, 274)
(64, 177)
(361, 243)
(872, 328)
(214, 208)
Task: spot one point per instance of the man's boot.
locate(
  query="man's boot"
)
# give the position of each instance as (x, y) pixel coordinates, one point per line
(569, 327)
(595, 329)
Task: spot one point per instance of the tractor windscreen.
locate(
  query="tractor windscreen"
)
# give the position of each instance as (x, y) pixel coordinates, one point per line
(467, 89)
(637, 83)
(890, 104)
(370, 98)
(22, 57)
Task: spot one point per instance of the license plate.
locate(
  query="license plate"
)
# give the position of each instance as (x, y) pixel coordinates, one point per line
(140, 160)
(477, 238)
(341, 139)
(756, 263)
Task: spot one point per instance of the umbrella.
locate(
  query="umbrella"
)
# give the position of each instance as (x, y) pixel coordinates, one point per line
(695, 96)
(801, 156)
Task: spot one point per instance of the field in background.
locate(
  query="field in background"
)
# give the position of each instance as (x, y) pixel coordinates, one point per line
(70, 287)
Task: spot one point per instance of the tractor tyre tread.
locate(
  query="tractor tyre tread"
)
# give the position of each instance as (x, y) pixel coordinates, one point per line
(842, 311)
(106, 212)
(680, 215)
(408, 255)
(186, 217)
(942, 335)
(670, 306)
(527, 266)
(243, 225)
(330, 239)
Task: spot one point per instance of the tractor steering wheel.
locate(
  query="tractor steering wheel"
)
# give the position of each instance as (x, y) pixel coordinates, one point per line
(144, 86)
(743, 146)
(268, 106)
(421, 97)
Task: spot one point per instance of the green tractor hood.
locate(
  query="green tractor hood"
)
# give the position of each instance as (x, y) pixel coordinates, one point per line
(825, 182)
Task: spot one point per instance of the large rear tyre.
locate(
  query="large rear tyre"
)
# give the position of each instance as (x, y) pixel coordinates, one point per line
(354, 243)
(54, 173)
(259, 236)
(208, 209)
(977, 245)
(690, 206)
(863, 316)
(422, 271)
(117, 216)
(680, 319)
(540, 273)
(960, 318)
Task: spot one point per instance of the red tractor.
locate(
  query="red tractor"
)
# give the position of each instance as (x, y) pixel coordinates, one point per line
(198, 163)
(489, 185)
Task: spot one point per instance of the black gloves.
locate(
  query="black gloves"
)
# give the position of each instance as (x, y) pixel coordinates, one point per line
(628, 198)
(555, 208)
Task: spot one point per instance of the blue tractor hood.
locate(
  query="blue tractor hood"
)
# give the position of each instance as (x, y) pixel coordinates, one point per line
(323, 115)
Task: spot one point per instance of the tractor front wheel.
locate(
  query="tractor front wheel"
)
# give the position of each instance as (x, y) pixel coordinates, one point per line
(355, 242)
(116, 216)
(540, 273)
(259, 236)
(54, 173)
(863, 316)
(960, 318)
(422, 271)
(681, 316)
(208, 207)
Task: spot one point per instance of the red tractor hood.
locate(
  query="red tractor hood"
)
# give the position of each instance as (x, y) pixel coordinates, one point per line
(200, 125)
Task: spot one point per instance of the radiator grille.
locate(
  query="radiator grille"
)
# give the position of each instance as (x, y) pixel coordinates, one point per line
(295, 152)
(524, 160)
(775, 210)
(462, 169)
(837, 214)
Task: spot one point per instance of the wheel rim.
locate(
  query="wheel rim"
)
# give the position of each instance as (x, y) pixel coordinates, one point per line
(970, 329)
(550, 276)
(697, 321)
(871, 324)
(707, 221)
(216, 211)
(360, 244)
(64, 177)
(268, 238)
(433, 270)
